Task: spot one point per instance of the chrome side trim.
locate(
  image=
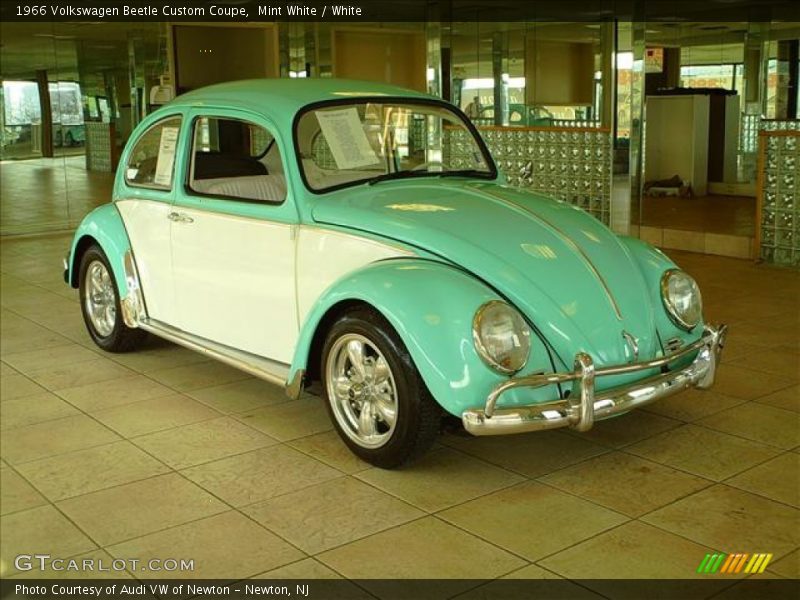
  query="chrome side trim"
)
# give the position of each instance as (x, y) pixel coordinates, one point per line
(295, 386)
(133, 307)
(260, 367)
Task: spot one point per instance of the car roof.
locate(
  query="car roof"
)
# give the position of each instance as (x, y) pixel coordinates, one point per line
(273, 97)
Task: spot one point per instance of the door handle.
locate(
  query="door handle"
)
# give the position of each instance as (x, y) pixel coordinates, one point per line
(180, 218)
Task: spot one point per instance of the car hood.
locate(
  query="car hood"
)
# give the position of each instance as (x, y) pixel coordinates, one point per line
(570, 275)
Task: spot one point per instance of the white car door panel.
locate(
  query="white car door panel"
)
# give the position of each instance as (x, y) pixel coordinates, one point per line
(325, 256)
(234, 281)
(148, 227)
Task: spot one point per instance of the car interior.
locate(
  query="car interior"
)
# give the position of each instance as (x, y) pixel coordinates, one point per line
(238, 160)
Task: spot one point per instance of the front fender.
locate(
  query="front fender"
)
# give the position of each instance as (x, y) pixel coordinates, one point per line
(653, 263)
(103, 225)
(431, 305)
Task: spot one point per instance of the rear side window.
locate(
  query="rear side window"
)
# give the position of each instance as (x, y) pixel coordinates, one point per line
(151, 163)
(237, 160)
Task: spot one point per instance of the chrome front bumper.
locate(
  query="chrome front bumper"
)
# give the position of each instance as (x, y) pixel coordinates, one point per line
(584, 405)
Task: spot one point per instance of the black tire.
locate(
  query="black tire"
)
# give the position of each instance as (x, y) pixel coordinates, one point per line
(418, 416)
(120, 338)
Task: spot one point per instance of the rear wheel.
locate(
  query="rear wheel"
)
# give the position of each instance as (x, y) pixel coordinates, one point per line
(100, 304)
(376, 397)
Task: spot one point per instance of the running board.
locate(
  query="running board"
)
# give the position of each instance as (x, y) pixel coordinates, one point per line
(263, 368)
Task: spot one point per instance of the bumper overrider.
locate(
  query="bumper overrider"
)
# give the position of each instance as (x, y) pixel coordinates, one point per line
(584, 405)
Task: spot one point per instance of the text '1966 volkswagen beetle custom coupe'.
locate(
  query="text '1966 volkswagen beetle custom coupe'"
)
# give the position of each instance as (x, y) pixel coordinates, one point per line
(323, 230)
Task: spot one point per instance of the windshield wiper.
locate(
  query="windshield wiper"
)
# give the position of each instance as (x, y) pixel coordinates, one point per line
(400, 175)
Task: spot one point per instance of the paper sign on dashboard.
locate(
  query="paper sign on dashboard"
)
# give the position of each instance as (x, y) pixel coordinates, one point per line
(346, 138)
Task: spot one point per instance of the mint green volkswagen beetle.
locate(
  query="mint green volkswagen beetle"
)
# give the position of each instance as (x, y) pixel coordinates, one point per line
(319, 230)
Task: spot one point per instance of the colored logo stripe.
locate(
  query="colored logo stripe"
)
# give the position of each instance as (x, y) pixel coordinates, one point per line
(734, 563)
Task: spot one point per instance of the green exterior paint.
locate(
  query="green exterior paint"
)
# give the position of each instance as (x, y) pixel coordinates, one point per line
(575, 281)
(431, 305)
(104, 225)
(540, 254)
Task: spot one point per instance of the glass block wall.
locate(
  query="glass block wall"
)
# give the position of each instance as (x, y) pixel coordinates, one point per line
(572, 165)
(779, 204)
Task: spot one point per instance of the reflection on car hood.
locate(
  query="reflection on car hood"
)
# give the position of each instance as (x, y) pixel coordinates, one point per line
(570, 275)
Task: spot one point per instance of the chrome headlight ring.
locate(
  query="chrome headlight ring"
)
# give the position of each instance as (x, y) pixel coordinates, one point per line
(682, 299)
(502, 337)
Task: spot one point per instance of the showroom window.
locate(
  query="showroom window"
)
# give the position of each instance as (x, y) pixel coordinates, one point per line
(152, 161)
(236, 159)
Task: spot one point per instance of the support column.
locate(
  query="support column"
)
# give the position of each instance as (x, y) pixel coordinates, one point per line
(47, 113)
(498, 56)
(636, 164)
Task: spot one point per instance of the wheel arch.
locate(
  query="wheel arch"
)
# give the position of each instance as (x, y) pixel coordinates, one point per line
(431, 306)
(103, 227)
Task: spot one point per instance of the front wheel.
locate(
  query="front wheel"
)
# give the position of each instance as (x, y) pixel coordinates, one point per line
(376, 397)
(100, 304)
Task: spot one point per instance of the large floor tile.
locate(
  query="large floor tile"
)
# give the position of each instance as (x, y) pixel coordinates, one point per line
(198, 375)
(530, 454)
(53, 437)
(41, 530)
(421, 549)
(532, 519)
(135, 509)
(730, 519)
(18, 386)
(158, 354)
(291, 420)
(89, 470)
(241, 396)
(705, 452)
(114, 392)
(330, 514)
(693, 404)
(788, 399)
(747, 384)
(308, 568)
(16, 493)
(627, 429)
(33, 409)
(632, 551)
(93, 371)
(260, 474)
(202, 442)
(775, 362)
(777, 479)
(788, 566)
(52, 356)
(330, 449)
(441, 479)
(223, 546)
(625, 483)
(758, 422)
(156, 414)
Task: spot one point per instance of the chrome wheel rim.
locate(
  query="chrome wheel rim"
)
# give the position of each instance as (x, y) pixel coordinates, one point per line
(361, 390)
(100, 298)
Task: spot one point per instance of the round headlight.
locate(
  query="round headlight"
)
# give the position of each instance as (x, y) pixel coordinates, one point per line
(681, 298)
(502, 337)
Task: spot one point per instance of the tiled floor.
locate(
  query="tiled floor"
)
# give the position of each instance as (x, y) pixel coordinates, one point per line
(46, 194)
(161, 453)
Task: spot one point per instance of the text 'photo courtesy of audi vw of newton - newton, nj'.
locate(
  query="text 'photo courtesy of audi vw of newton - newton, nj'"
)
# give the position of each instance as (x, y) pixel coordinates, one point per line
(360, 236)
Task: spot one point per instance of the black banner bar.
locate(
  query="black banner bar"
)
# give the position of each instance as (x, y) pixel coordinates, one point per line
(400, 10)
(417, 589)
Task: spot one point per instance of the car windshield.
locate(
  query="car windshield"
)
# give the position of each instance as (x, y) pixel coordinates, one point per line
(371, 141)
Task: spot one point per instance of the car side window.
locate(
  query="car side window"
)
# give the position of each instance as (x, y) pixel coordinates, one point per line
(151, 163)
(236, 159)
